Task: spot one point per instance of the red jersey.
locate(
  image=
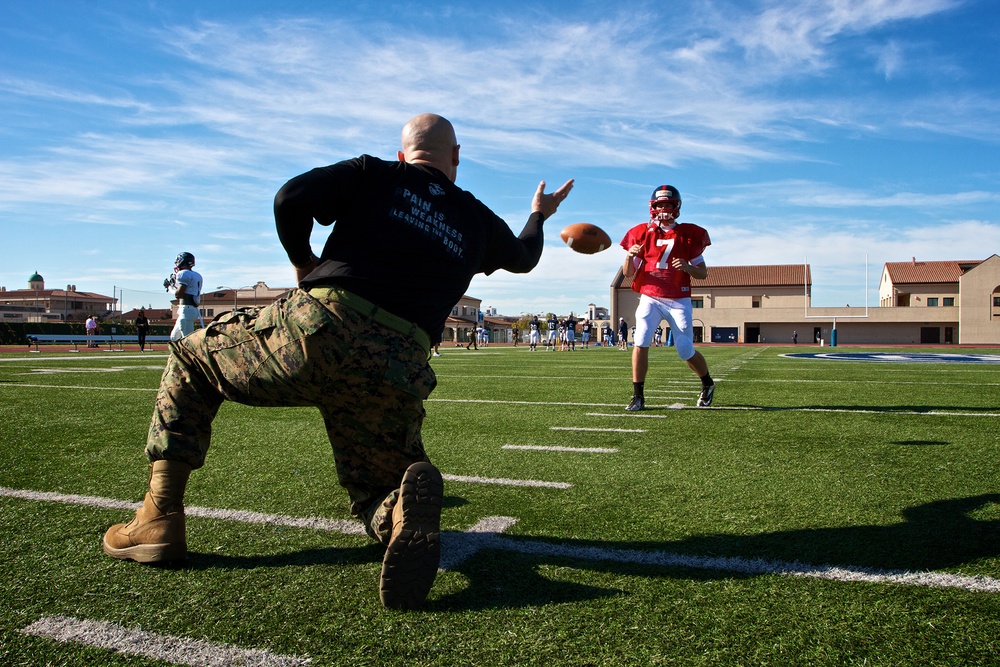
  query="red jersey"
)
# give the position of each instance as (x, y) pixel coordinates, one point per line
(655, 276)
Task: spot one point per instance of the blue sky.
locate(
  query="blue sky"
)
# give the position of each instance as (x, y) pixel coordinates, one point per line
(824, 131)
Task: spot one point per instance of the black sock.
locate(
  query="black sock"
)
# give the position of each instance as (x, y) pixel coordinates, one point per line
(706, 380)
(637, 388)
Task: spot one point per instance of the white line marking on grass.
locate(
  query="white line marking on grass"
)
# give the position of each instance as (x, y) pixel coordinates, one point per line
(118, 357)
(850, 411)
(166, 648)
(16, 385)
(583, 450)
(598, 430)
(499, 402)
(487, 535)
(34, 372)
(458, 547)
(507, 482)
(312, 523)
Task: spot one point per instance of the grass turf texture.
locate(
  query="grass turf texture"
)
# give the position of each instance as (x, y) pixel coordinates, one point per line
(864, 465)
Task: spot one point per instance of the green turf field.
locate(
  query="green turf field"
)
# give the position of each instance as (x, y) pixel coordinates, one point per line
(820, 513)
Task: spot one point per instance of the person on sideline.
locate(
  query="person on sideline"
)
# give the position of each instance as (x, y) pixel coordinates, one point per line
(354, 340)
(662, 257)
(188, 293)
(91, 326)
(141, 329)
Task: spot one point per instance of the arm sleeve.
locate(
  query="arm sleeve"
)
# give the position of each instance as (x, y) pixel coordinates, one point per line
(315, 195)
(293, 219)
(521, 254)
(532, 239)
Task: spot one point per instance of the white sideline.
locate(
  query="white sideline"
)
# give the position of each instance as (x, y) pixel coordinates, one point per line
(507, 482)
(166, 648)
(486, 534)
(591, 429)
(557, 448)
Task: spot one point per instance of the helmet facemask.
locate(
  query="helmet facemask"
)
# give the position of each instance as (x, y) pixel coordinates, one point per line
(664, 211)
(665, 205)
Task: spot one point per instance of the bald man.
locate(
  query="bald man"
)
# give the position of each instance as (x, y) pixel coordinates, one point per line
(353, 340)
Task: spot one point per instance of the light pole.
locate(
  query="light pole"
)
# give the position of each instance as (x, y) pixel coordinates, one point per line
(236, 294)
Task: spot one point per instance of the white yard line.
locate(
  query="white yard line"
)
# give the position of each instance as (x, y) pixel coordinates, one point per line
(507, 482)
(165, 648)
(574, 450)
(590, 429)
(458, 546)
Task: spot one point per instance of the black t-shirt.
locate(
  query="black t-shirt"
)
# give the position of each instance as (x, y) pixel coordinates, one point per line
(406, 238)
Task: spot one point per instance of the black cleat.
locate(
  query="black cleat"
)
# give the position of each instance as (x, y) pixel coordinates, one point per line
(707, 394)
(637, 403)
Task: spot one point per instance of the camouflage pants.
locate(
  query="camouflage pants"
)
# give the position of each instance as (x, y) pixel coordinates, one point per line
(368, 382)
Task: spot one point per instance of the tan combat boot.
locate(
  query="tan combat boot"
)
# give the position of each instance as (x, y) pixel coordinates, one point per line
(156, 534)
(414, 552)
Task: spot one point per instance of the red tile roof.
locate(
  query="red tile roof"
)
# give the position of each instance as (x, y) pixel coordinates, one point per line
(777, 275)
(51, 293)
(927, 272)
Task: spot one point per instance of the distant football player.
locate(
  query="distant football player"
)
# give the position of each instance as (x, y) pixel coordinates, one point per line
(534, 333)
(553, 335)
(188, 295)
(662, 257)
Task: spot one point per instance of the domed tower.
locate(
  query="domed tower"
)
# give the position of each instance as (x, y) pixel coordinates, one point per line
(36, 281)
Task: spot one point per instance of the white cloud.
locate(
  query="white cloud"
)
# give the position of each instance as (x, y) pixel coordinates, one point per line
(198, 136)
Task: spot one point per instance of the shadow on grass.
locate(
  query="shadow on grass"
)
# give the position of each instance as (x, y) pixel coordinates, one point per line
(303, 557)
(935, 536)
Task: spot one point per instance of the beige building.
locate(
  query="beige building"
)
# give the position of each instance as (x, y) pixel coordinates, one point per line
(38, 304)
(464, 318)
(224, 299)
(920, 302)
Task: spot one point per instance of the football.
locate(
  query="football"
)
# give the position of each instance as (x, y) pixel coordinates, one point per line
(585, 238)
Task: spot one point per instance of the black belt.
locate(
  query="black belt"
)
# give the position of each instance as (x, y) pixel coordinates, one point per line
(188, 300)
(374, 313)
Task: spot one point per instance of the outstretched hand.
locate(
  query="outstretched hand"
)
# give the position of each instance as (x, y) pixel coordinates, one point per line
(547, 204)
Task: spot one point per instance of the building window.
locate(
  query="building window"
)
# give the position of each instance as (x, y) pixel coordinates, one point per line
(932, 301)
(700, 303)
(755, 303)
(996, 302)
(948, 301)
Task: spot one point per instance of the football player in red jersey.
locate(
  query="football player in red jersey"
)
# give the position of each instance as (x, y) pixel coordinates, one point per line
(662, 258)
